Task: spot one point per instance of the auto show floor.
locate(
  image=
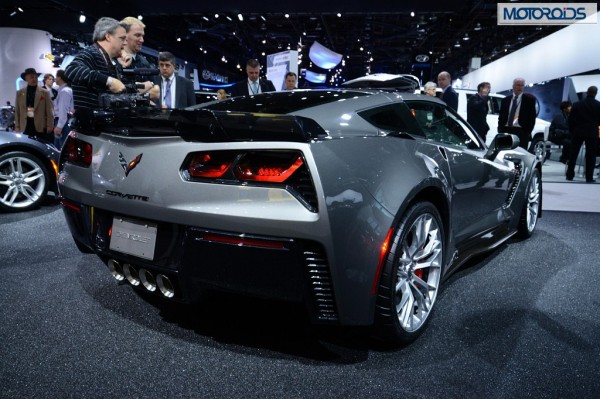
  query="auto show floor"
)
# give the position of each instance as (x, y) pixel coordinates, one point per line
(521, 321)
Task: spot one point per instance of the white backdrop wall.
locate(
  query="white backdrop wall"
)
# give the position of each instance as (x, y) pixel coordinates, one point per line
(569, 51)
(21, 49)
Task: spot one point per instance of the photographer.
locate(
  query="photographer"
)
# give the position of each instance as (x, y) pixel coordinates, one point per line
(93, 71)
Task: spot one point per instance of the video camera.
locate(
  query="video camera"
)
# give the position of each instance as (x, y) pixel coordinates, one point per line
(130, 98)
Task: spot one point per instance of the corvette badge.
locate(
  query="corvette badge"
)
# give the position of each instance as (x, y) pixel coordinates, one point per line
(129, 166)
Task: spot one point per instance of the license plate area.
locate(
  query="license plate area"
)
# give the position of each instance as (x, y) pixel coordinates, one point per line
(133, 237)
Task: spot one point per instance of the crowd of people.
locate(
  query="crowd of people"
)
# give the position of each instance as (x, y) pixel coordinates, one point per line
(44, 111)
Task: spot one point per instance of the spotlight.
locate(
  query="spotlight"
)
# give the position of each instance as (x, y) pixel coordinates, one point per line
(240, 17)
(140, 17)
(82, 18)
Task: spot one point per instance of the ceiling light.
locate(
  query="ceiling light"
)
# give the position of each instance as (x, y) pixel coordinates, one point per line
(478, 26)
(263, 18)
(228, 17)
(216, 15)
(457, 44)
(339, 14)
(140, 17)
(412, 13)
(205, 18)
(240, 17)
(287, 15)
(264, 41)
(178, 39)
(466, 37)
(82, 18)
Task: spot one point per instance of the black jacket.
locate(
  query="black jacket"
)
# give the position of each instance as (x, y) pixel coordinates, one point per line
(241, 88)
(450, 97)
(477, 110)
(584, 118)
(527, 114)
(184, 92)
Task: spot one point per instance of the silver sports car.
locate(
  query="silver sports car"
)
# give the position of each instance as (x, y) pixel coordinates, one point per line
(357, 203)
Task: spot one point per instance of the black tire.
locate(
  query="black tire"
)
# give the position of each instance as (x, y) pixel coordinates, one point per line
(531, 207)
(411, 276)
(24, 181)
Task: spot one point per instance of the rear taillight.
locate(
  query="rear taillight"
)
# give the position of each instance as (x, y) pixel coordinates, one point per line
(210, 165)
(77, 152)
(274, 167)
(286, 169)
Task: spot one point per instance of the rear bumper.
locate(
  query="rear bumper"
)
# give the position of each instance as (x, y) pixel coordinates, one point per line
(193, 259)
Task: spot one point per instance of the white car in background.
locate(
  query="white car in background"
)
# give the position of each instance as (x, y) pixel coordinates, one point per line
(539, 135)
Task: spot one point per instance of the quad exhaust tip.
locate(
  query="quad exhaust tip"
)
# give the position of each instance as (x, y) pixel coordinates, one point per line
(116, 270)
(141, 276)
(165, 286)
(131, 274)
(147, 280)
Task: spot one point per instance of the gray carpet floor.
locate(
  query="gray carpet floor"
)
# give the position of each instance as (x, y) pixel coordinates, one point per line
(522, 321)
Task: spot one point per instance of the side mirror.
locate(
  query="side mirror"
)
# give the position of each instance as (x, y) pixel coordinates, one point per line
(502, 142)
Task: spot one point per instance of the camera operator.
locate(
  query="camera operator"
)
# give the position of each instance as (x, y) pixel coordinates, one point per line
(93, 71)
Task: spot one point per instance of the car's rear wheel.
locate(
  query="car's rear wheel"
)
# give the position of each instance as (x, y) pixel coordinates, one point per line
(411, 275)
(531, 207)
(24, 181)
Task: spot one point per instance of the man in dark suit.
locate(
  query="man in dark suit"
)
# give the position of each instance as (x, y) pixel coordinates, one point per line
(253, 85)
(175, 91)
(477, 109)
(584, 120)
(449, 96)
(517, 113)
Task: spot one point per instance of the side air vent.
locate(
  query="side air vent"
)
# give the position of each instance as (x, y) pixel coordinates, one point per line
(515, 184)
(319, 280)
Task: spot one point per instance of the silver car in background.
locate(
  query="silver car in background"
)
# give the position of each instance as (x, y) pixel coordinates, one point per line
(28, 170)
(357, 203)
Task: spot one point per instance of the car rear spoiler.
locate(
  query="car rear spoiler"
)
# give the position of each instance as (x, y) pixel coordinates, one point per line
(201, 125)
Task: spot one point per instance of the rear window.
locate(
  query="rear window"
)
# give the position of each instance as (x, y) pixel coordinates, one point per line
(282, 102)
